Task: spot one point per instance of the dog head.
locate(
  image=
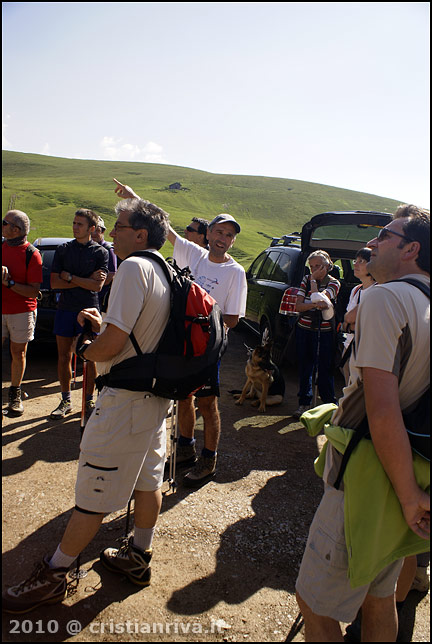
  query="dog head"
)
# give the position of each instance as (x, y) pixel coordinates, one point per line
(261, 355)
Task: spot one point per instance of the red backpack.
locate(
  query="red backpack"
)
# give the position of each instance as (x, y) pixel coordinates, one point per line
(193, 342)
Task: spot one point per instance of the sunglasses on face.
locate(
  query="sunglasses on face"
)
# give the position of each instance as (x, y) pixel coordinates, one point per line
(8, 223)
(191, 230)
(385, 233)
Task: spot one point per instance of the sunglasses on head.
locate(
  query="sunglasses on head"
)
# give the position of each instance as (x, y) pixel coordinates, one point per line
(384, 233)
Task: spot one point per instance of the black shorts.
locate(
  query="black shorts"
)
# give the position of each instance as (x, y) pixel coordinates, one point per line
(211, 388)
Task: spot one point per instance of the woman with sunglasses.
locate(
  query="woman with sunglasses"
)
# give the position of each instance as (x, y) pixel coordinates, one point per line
(361, 272)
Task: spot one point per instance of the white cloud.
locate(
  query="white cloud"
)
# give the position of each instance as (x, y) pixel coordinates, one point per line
(46, 149)
(115, 149)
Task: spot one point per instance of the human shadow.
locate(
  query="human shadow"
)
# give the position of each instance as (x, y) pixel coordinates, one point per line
(85, 600)
(260, 551)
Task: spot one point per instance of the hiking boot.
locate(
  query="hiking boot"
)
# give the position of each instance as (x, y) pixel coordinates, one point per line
(203, 471)
(421, 580)
(44, 586)
(89, 407)
(130, 561)
(298, 412)
(64, 408)
(15, 406)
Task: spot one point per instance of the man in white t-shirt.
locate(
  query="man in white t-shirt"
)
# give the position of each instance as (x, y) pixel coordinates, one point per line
(225, 280)
(123, 446)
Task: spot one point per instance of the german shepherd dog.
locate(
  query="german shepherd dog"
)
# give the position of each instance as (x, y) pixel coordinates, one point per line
(263, 379)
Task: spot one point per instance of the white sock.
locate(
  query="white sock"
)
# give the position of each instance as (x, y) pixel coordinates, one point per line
(143, 537)
(60, 560)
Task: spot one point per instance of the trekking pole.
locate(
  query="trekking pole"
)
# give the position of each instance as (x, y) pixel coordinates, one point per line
(316, 371)
(83, 403)
(173, 454)
(74, 369)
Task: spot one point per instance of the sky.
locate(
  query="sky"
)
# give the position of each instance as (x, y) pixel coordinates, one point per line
(329, 92)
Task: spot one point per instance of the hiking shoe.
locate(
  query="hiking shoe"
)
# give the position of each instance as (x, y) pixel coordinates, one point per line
(298, 412)
(203, 471)
(421, 580)
(15, 406)
(64, 408)
(130, 561)
(89, 407)
(44, 586)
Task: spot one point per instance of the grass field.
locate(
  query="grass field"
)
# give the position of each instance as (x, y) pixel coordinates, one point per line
(50, 189)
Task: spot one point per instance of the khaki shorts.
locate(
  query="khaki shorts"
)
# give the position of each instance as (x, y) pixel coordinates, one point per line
(19, 327)
(323, 577)
(122, 449)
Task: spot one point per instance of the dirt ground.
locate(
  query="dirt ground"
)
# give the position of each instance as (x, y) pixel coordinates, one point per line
(226, 556)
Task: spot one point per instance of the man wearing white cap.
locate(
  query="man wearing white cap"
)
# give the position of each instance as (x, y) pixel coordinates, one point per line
(225, 280)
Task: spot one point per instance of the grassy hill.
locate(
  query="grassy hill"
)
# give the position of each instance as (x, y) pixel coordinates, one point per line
(50, 189)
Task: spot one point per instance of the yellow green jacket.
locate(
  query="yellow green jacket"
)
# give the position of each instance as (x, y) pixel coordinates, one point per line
(376, 532)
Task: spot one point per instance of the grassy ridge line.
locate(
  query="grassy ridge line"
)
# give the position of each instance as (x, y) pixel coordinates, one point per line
(50, 189)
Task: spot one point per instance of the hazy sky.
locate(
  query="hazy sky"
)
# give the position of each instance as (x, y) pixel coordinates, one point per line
(334, 93)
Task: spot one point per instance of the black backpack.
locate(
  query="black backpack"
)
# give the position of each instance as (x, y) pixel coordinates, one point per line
(416, 416)
(192, 344)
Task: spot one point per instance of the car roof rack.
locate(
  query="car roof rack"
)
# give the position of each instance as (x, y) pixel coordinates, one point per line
(286, 240)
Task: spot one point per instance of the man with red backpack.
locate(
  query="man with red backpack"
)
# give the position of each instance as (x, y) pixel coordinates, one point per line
(21, 280)
(225, 280)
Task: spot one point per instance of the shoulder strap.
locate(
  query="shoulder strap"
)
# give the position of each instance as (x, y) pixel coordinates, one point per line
(29, 252)
(168, 274)
(424, 288)
(363, 429)
(159, 260)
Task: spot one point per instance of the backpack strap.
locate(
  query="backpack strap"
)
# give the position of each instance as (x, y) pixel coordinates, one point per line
(363, 430)
(28, 254)
(168, 274)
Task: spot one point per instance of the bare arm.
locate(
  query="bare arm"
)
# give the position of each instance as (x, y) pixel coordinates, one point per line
(393, 448)
(92, 283)
(302, 306)
(231, 320)
(107, 345)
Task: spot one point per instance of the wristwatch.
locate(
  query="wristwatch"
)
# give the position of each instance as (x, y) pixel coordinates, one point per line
(80, 350)
(10, 283)
(69, 279)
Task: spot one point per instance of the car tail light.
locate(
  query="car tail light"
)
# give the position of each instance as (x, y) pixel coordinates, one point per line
(288, 302)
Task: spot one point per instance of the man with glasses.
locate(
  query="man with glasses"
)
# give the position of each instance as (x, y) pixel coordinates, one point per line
(196, 232)
(21, 280)
(388, 373)
(123, 446)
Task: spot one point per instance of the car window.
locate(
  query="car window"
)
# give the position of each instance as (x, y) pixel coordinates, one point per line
(254, 269)
(282, 271)
(269, 266)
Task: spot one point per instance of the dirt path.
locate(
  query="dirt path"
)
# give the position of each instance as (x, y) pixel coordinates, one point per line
(225, 556)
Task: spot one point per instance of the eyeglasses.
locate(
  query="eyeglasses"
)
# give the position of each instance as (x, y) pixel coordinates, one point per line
(117, 226)
(192, 230)
(385, 232)
(360, 261)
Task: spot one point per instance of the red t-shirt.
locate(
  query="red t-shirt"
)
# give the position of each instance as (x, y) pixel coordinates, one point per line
(14, 258)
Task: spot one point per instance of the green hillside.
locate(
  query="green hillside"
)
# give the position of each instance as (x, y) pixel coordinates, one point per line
(50, 189)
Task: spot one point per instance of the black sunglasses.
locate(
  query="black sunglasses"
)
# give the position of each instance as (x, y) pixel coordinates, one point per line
(192, 230)
(385, 232)
(5, 222)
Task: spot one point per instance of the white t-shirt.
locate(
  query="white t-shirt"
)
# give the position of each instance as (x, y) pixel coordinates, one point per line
(139, 301)
(225, 282)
